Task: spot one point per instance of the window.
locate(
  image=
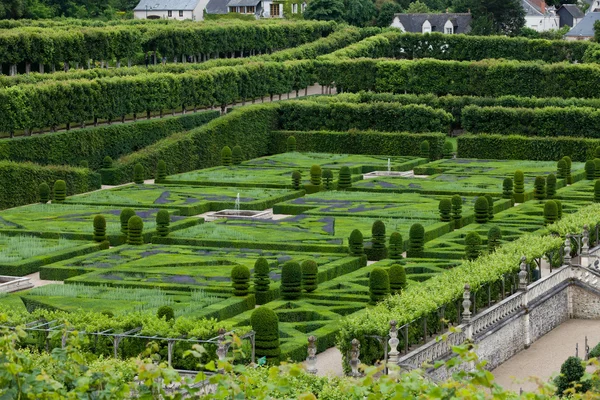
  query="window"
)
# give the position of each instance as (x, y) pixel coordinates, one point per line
(448, 28)
(449, 31)
(426, 27)
(274, 10)
(295, 8)
(250, 10)
(181, 13)
(169, 13)
(242, 10)
(303, 7)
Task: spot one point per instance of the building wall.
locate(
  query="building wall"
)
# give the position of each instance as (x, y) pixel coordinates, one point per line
(164, 14)
(267, 9)
(542, 24)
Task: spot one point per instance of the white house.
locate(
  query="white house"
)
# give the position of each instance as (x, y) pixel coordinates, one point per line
(448, 23)
(584, 30)
(170, 9)
(540, 17)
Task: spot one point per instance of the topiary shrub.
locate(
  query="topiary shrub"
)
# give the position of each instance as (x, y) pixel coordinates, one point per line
(138, 174)
(568, 176)
(507, 188)
(558, 208)
(379, 285)
(550, 212)
(310, 271)
(425, 149)
(481, 210)
(166, 312)
(416, 241)
(84, 164)
(396, 247)
(328, 178)
(107, 162)
(519, 187)
(291, 144)
(291, 280)
(457, 210)
(296, 180)
(570, 376)
(261, 280)
(597, 168)
(240, 280)
(397, 275)
(550, 186)
(315, 175)
(590, 170)
(60, 191)
(125, 216)
(265, 324)
(135, 226)
(236, 155)
(226, 156)
(490, 201)
(445, 208)
(448, 150)
(163, 219)
(494, 236)
(595, 352)
(378, 249)
(472, 245)
(44, 191)
(561, 169)
(597, 152)
(539, 188)
(345, 178)
(355, 243)
(161, 170)
(99, 228)
(597, 191)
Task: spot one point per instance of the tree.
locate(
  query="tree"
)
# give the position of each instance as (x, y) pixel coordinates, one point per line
(325, 10)
(493, 16)
(386, 14)
(417, 7)
(359, 12)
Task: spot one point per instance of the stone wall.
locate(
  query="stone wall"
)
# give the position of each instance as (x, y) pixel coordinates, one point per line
(549, 314)
(502, 343)
(585, 304)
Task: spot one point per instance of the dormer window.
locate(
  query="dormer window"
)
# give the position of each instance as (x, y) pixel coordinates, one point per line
(426, 27)
(448, 28)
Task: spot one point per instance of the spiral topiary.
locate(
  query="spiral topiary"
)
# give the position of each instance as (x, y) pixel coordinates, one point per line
(236, 155)
(397, 275)
(597, 192)
(265, 324)
(550, 186)
(445, 208)
(60, 191)
(355, 243)
(490, 201)
(448, 149)
(457, 210)
(99, 228)
(296, 180)
(507, 188)
(597, 168)
(550, 212)
(416, 241)
(291, 144)
(379, 285)
(328, 178)
(84, 164)
(126, 214)
(494, 236)
(135, 226)
(558, 208)
(261, 280)
(310, 272)
(345, 178)
(481, 210)
(226, 156)
(166, 312)
(472, 245)
(44, 191)
(425, 149)
(107, 162)
(568, 176)
(315, 175)
(539, 188)
(240, 280)
(590, 170)
(291, 280)
(138, 174)
(561, 169)
(378, 249)
(163, 219)
(396, 247)
(519, 187)
(161, 170)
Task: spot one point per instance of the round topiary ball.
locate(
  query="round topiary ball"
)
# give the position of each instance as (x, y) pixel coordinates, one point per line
(165, 312)
(125, 216)
(481, 210)
(355, 243)
(107, 162)
(416, 240)
(226, 156)
(84, 164)
(291, 144)
(240, 280)
(265, 324)
(291, 280)
(397, 275)
(163, 220)
(44, 191)
(379, 284)
(315, 175)
(135, 227)
(445, 208)
(310, 272)
(60, 191)
(396, 247)
(236, 155)
(472, 245)
(345, 178)
(99, 228)
(138, 174)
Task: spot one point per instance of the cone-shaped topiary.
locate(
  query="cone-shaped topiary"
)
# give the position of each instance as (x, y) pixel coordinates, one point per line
(507, 188)
(472, 245)
(60, 191)
(135, 226)
(568, 176)
(425, 149)
(296, 180)
(416, 240)
(265, 324)
(161, 170)
(261, 280)
(396, 247)
(550, 212)
(558, 208)
(310, 271)
(291, 144)
(448, 150)
(490, 201)
(84, 164)
(328, 179)
(561, 169)
(138, 174)
(590, 170)
(163, 219)
(166, 312)
(550, 186)
(107, 162)
(397, 275)
(226, 156)
(315, 175)
(597, 168)
(345, 178)
(99, 228)
(44, 193)
(445, 208)
(355, 243)
(457, 210)
(379, 284)
(539, 188)
(597, 192)
(291, 280)
(481, 210)
(519, 187)
(126, 214)
(378, 249)
(236, 155)
(240, 280)
(494, 236)
(570, 376)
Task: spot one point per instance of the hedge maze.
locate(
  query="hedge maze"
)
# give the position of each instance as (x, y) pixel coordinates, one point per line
(356, 182)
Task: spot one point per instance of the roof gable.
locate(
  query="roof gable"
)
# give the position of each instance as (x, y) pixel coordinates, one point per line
(162, 5)
(573, 10)
(585, 27)
(414, 22)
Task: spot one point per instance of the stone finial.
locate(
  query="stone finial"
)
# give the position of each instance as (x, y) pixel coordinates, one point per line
(393, 355)
(585, 241)
(354, 361)
(523, 274)
(567, 256)
(311, 360)
(466, 314)
(222, 348)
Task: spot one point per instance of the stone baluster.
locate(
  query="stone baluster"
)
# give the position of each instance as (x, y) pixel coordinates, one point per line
(567, 256)
(466, 314)
(222, 347)
(311, 360)
(585, 246)
(523, 274)
(394, 354)
(354, 361)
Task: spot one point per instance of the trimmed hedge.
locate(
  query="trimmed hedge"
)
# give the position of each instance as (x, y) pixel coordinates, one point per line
(265, 323)
(310, 272)
(379, 285)
(262, 280)
(291, 280)
(240, 280)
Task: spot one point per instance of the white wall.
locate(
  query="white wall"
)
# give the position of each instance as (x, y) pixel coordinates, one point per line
(542, 24)
(397, 24)
(266, 5)
(164, 14)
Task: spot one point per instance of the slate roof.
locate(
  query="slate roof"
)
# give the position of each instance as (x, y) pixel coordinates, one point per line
(217, 7)
(238, 3)
(531, 9)
(414, 22)
(573, 10)
(585, 27)
(165, 5)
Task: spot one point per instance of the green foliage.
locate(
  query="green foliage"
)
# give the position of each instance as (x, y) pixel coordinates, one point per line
(226, 156)
(165, 312)
(448, 149)
(490, 201)
(597, 152)
(296, 180)
(550, 212)
(550, 186)
(397, 275)
(378, 239)
(472, 246)
(417, 7)
(124, 218)
(291, 144)
(310, 271)
(416, 240)
(261, 279)
(561, 169)
(559, 209)
(107, 162)
(345, 178)
(325, 10)
(99, 228)
(60, 191)
(539, 188)
(425, 150)
(507, 188)
(519, 187)
(240, 280)
(481, 210)
(568, 177)
(597, 191)
(396, 247)
(135, 226)
(386, 14)
(355, 243)
(315, 175)
(597, 167)
(84, 164)
(590, 170)
(328, 178)
(265, 323)
(571, 373)
(291, 280)
(163, 220)
(138, 174)
(379, 285)
(494, 236)
(445, 208)
(237, 155)
(44, 191)
(457, 210)
(161, 170)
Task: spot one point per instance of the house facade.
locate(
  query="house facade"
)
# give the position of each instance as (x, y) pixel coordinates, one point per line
(584, 30)
(265, 8)
(540, 17)
(170, 9)
(448, 23)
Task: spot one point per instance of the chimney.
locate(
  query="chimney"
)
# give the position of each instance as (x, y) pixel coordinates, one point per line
(543, 7)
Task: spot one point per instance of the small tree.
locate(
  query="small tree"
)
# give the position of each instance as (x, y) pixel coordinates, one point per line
(291, 144)
(597, 168)
(597, 192)
(138, 174)
(507, 188)
(226, 156)
(60, 191)
(550, 212)
(416, 241)
(481, 210)
(445, 208)
(99, 228)
(107, 162)
(519, 187)
(135, 226)
(310, 272)
(315, 175)
(561, 169)
(396, 247)
(355, 243)
(291, 280)
(570, 376)
(425, 149)
(397, 275)
(457, 210)
(165, 312)
(265, 324)
(296, 180)
(161, 171)
(240, 280)
(472, 245)
(261, 280)
(84, 164)
(448, 149)
(539, 188)
(550, 186)
(44, 193)
(378, 250)
(236, 155)
(163, 219)
(379, 285)
(125, 216)
(590, 170)
(328, 178)
(558, 208)
(490, 201)
(345, 178)
(494, 236)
